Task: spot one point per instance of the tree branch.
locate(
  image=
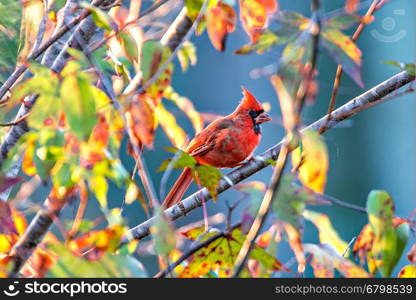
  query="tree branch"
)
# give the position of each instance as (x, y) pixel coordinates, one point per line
(351, 108)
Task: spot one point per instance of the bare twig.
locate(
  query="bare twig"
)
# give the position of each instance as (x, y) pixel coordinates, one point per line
(370, 98)
(302, 93)
(373, 8)
(266, 203)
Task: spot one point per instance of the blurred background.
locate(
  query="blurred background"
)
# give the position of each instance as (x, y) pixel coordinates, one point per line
(374, 150)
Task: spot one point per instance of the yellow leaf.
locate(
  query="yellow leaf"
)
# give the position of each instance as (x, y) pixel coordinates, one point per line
(408, 271)
(99, 186)
(32, 16)
(187, 107)
(287, 106)
(327, 234)
(28, 166)
(312, 160)
(175, 133)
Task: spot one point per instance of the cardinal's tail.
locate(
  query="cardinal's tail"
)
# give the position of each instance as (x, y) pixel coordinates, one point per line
(179, 188)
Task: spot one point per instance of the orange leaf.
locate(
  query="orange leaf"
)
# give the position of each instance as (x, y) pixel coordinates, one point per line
(221, 20)
(93, 244)
(92, 152)
(253, 15)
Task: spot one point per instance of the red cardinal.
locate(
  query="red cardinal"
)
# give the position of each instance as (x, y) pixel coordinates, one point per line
(224, 143)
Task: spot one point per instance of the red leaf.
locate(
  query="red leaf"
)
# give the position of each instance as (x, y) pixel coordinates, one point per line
(6, 221)
(221, 20)
(351, 6)
(6, 183)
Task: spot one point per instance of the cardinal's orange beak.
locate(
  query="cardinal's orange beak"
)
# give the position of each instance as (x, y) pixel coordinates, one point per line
(263, 118)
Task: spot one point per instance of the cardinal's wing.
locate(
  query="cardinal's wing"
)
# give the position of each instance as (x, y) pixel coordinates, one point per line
(206, 140)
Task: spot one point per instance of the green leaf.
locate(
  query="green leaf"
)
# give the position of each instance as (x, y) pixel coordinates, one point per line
(193, 8)
(408, 67)
(289, 201)
(209, 177)
(129, 44)
(62, 177)
(266, 41)
(164, 236)
(344, 51)
(292, 18)
(380, 208)
(181, 160)
(342, 22)
(100, 18)
(154, 54)
(77, 95)
(187, 55)
(70, 265)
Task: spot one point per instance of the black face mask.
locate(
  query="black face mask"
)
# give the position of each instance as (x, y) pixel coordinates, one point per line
(254, 114)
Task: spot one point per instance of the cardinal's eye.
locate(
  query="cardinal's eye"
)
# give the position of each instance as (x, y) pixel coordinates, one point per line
(255, 113)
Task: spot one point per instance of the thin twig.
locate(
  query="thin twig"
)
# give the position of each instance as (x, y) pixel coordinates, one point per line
(373, 8)
(273, 189)
(260, 219)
